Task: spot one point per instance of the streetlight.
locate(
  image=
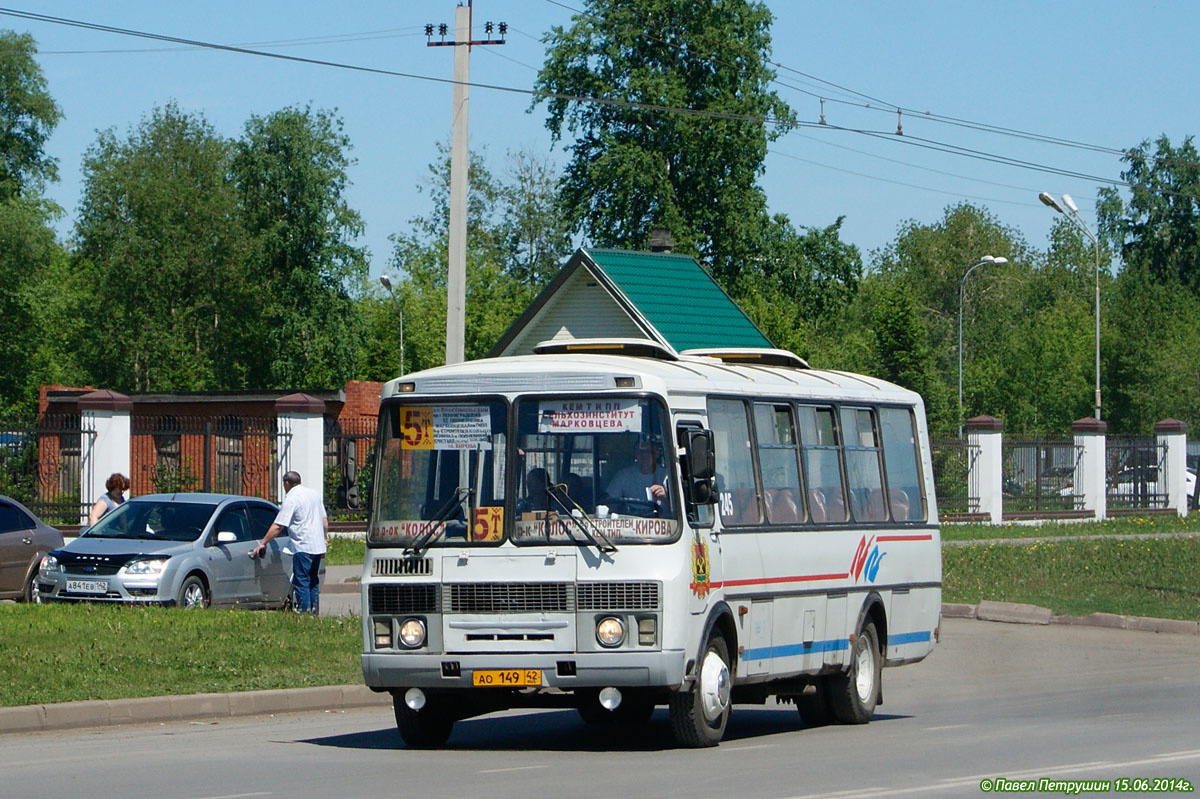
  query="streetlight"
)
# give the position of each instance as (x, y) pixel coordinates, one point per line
(387, 284)
(985, 260)
(1074, 216)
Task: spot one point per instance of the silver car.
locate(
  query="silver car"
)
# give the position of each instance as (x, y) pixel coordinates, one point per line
(191, 550)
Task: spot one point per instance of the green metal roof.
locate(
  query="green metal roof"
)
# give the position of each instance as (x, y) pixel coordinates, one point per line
(679, 299)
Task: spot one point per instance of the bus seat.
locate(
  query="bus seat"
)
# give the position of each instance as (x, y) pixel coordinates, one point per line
(876, 511)
(835, 507)
(782, 507)
(816, 505)
(745, 507)
(900, 505)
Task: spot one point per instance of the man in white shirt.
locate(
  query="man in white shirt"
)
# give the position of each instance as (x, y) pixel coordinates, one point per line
(303, 515)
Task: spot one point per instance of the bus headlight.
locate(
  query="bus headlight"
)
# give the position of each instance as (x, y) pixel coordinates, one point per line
(383, 633)
(412, 633)
(610, 631)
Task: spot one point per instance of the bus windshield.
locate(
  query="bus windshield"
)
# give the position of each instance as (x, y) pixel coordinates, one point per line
(441, 474)
(603, 461)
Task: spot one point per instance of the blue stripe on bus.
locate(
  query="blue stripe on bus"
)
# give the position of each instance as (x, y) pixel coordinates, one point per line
(835, 645)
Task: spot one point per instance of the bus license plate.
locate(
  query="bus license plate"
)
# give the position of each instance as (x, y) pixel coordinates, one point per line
(87, 586)
(506, 678)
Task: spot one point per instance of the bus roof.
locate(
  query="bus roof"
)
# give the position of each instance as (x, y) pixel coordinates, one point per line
(576, 371)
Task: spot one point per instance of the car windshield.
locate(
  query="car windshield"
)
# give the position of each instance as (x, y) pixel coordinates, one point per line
(156, 521)
(603, 461)
(440, 465)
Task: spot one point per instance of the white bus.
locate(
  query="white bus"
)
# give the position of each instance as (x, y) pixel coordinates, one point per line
(612, 526)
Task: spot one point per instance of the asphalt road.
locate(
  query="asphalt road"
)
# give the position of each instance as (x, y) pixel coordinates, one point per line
(993, 701)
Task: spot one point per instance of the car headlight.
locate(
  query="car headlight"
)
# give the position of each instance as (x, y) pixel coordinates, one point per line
(146, 567)
(50, 564)
(412, 633)
(610, 631)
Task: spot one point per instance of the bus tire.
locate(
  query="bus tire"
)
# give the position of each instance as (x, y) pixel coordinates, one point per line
(854, 694)
(425, 728)
(813, 704)
(700, 713)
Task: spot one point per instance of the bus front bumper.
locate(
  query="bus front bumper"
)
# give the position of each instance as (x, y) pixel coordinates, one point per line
(565, 671)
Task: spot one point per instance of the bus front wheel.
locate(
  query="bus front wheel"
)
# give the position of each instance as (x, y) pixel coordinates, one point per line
(700, 713)
(425, 728)
(854, 694)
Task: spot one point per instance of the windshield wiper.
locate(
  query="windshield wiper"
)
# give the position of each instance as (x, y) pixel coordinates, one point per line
(593, 535)
(431, 531)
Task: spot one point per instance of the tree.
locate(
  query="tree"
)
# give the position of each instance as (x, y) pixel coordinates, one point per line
(159, 242)
(692, 170)
(1158, 229)
(28, 115)
(290, 172)
(538, 236)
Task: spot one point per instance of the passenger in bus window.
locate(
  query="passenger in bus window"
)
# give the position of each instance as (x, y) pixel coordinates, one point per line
(536, 497)
(643, 483)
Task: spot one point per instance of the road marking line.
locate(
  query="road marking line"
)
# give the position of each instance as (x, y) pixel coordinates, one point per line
(514, 768)
(746, 748)
(946, 727)
(237, 795)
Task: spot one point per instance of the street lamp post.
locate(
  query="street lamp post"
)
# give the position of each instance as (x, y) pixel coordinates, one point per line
(985, 260)
(1074, 216)
(387, 284)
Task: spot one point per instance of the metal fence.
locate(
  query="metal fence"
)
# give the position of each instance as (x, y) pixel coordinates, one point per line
(349, 467)
(41, 465)
(952, 462)
(1136, 474)
(228, 455)
(1040, 475)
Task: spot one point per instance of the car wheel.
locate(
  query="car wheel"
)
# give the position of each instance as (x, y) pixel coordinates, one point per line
(425, 728)
(700, 713)
(193, 594)
(854, 694)
(33, 593)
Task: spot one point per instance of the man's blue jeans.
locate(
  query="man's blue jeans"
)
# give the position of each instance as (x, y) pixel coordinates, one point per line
(306, 571)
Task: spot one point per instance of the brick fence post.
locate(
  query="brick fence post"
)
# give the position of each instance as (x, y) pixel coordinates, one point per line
(300, 425)
(1172, 436)
(104, 445)
(1090, 472)
(986, 478)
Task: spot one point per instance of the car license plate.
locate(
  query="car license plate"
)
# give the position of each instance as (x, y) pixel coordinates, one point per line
(87, 586)
(506, 678)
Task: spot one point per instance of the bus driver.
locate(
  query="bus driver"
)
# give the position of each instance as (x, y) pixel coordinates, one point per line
(644, 480)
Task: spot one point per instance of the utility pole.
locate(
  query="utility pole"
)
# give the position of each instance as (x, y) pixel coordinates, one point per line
(456, 277)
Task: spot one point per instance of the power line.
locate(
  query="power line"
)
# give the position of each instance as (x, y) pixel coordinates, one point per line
(614, 102)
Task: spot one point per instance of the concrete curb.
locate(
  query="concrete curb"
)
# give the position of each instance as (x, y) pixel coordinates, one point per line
(109, 712)
(1014, 613)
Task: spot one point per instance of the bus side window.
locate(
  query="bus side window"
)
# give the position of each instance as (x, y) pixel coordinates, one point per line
(822, 463)
(738, 504)
(775, 434)
(901, 464)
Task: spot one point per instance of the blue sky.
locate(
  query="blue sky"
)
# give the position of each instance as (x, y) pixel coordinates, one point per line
(1102, 73)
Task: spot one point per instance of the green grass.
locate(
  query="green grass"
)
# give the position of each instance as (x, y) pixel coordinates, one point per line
(1138, 578)
(345, 551)
(65, 652)
(1140, 525)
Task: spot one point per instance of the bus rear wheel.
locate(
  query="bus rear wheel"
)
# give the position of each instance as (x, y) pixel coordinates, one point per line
(700, 713)
(854, 694)
(425, 728)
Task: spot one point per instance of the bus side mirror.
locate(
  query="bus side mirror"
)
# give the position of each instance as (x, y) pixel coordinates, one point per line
(701, 467)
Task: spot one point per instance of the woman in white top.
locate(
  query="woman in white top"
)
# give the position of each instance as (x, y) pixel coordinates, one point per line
(116, 485)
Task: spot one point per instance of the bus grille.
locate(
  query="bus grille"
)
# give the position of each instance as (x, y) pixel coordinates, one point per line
(403, 598)
(508, 597)
(396, 567)
(618, 596)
